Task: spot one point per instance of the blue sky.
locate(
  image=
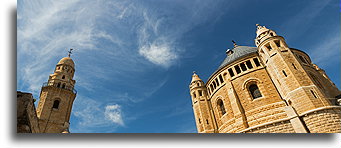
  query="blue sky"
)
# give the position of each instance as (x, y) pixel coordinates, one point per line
(134, 59)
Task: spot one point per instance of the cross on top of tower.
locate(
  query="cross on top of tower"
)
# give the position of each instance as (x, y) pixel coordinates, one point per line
(234, 43)
(70, 52)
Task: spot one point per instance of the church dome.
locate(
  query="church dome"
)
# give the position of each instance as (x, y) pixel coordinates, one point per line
(237, 53)
(67, 61)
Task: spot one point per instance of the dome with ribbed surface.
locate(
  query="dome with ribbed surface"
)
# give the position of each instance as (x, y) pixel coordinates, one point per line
(67, 61)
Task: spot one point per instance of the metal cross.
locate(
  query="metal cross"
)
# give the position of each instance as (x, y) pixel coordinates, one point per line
(70, 52)
(234, 43)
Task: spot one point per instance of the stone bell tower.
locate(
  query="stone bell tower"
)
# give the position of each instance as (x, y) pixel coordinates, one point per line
(56, 98)
(299, 82)
(204, 117)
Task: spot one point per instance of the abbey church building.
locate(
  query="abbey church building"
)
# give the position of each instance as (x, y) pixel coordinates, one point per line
(270, 88)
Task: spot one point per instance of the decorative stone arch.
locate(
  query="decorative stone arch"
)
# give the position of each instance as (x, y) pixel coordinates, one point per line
(255, 91)
(217, 110)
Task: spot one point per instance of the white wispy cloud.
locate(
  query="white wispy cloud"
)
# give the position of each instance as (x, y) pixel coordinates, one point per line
(94, 116)
(116, 43)
(159, 54)
(114, 114)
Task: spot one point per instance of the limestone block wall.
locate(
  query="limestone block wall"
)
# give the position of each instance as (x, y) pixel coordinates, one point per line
(279, 127)
(324, 121)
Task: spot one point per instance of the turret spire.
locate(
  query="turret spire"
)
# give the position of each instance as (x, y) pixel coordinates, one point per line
(195, 77)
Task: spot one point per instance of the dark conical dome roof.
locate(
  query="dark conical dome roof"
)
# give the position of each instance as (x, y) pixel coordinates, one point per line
(238, 52)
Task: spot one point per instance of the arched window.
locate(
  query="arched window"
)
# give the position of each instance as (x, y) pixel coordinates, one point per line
(63, 77)
(221, 107)
(58, 85)
(63, 86)
(55, 104)
(254, 91)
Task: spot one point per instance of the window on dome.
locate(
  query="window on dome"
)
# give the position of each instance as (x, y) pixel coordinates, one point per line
(221, 79)
(214, 85)
(211, 88)
(256, 62)
(216, 80)
(237, 69)
(254, 91)
(242, 65)
(231, 72)
(249, 65)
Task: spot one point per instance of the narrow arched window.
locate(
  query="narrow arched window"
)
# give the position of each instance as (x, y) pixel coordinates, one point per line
(221, 107)
(63, 77)
(55, 104)
(63, 86)
(58, 85)
(254, 91)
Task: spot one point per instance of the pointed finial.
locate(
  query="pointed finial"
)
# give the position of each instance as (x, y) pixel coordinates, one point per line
(257, 25)
(70, 52)
(194, 72)
(234, 43)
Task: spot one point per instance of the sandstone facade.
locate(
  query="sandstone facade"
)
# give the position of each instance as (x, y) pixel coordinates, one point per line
(271, 88)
